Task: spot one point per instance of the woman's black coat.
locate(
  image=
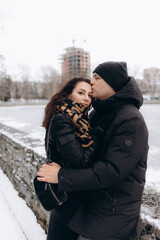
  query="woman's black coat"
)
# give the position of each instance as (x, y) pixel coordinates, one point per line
(65, 149)
(64, 145)
(118, 177)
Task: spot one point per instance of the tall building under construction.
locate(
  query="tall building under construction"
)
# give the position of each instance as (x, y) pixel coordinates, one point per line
(75, 62)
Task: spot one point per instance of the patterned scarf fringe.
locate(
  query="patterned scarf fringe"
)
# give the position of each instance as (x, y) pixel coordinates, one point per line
(79, 116)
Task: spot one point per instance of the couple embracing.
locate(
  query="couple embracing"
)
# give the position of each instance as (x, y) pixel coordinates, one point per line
(100, 160)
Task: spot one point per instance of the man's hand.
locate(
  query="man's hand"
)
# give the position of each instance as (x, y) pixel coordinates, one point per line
(49, 173)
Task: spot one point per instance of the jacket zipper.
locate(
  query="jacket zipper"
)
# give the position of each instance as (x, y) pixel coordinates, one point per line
(113, 201)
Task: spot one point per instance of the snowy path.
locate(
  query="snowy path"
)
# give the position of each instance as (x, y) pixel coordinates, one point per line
(17, 221)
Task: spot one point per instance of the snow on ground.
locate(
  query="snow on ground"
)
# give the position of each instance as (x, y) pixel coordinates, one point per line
(154, 222)
(153, 172)
(36, 145)
(18, 221)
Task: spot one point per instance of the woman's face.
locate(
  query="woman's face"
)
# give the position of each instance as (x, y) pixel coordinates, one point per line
(82, 93)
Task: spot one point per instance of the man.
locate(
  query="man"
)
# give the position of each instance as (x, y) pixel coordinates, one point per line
(117, 178)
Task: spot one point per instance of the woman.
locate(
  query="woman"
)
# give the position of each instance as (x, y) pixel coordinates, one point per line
(70, 145)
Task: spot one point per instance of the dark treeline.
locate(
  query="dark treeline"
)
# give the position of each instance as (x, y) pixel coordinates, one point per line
(42, 89)
(27, 89)
(47, 83)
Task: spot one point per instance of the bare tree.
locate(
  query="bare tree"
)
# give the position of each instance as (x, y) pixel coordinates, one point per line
(27, 90)
(51, 81)
(25, 77)
(24, 87)
(5, 88)
(35, 90)
(5, 81)
(24, 72)
(16, 90)
(2, 66)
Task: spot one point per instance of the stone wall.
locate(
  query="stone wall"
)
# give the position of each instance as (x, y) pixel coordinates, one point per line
(20, 162)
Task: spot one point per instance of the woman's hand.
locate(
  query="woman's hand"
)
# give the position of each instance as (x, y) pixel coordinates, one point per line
(49, 173)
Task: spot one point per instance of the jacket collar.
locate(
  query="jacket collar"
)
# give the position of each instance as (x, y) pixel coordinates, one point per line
(129, 94)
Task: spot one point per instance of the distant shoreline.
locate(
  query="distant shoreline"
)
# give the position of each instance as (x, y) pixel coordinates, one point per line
(44, 102)
(9, 104)
(151, 102)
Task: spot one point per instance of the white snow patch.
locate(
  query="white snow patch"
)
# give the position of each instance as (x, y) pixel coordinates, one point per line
(39, 149)
(153, 179)
(154, 222)
(15, 124)
(17, 221)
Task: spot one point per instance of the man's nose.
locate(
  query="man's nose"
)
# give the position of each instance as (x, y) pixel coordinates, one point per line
(92, 81)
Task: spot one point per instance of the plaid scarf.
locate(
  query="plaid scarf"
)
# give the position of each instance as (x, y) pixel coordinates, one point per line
(79, 116)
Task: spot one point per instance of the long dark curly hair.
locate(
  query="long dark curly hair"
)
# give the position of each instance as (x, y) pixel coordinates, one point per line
(59, 97)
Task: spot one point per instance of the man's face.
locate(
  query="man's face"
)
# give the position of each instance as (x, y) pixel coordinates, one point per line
(101, 89)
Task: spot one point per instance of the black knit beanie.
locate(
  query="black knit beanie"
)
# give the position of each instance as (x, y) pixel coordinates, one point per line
(113, 73)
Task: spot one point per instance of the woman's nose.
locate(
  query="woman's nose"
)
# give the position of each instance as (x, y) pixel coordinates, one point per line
(86, 98)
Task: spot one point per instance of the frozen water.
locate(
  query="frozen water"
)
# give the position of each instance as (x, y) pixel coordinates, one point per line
(25, 118)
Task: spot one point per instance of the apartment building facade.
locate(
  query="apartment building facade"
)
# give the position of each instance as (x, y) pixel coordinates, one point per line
(151, 77)
(75, 62)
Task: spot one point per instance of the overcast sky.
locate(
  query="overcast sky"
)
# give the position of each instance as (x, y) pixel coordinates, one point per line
(37, 31)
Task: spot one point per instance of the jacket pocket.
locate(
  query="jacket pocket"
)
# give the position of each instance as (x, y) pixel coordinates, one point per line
(66, 139)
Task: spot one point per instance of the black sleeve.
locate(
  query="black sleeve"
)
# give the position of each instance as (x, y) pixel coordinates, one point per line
(69, 145)
(124, 151)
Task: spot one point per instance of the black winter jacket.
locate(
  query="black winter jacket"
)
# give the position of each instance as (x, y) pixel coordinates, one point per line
(118, 177)
(65, 147)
